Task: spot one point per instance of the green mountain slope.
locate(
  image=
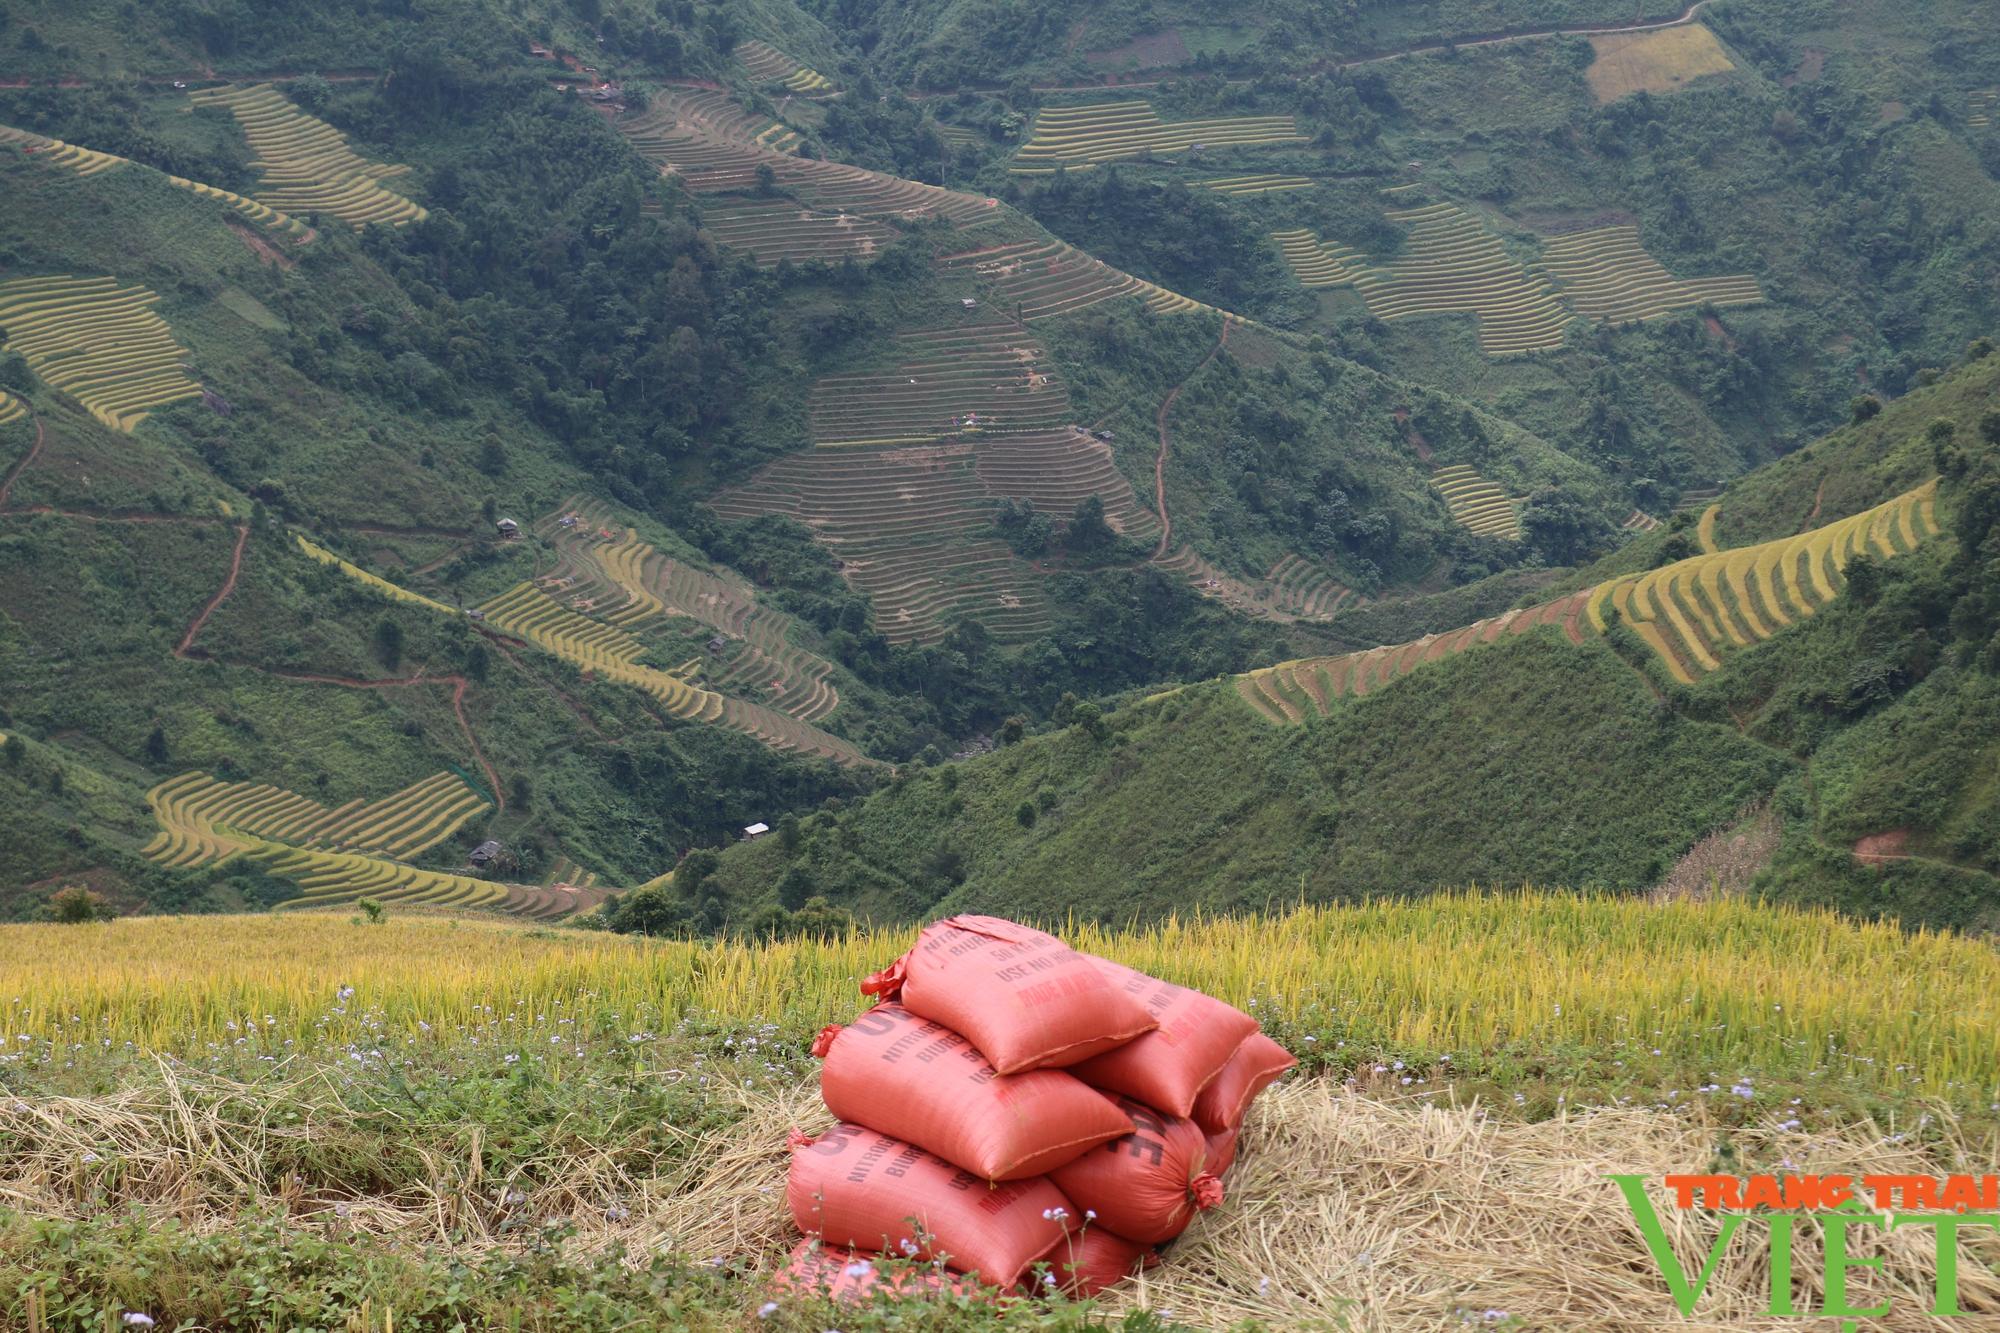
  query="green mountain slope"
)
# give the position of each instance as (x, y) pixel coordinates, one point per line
(1863, 718)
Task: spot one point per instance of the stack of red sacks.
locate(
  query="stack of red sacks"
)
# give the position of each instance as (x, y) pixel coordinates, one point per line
(1010, 1101)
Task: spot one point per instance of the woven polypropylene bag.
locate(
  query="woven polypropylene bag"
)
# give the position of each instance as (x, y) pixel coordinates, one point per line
(1024, 998)
(1096, 1258)
(1168, 1067)
(1258, 1063)
(863, 1190)
(920, 1081)
(815, 1268)
(1148, 1185)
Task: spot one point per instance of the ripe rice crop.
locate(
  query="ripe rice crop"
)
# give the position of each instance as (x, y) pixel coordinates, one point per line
(204, 819)
(1724, 981)
(1290, 691)
(771, 230)
(12, 409)
(1081, 136)
(1040, 279)
(1248, 185)
(306, 164)
(1315, 263)
(87, 162)
(1476, 503)
(1690, 611)
(391, 590)
(1662, 61)
(758, 658)
(767, 64)
(97, 342)
(676, 115)
(1607, 275)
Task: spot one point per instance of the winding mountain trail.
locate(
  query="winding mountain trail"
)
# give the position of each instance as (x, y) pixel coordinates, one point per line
(183, 650)
(7, 482)
(1160, 458)
(459, 685)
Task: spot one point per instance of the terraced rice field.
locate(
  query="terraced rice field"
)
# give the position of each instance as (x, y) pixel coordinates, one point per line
(969, 383)
(1081, 136)
(527, 612)
(899, 520)
(1317, 264)
(375, 581)
(773, 230)
(1662, 61)
(306, 165)
(1042, 279)
(1292, 691)
(1476, 503)
(1293, 589)
(1698, 497)
(1247, 185)
(1692, 611)
(1981, 108)
(97, 342)
(1453, 265)
(12, 409)
(607, 570)
(1607, 275)
(767, 64)
(709, 110)
(1305, 590)
(1639, 521)
(1055, 470)
(87, 162)
(706, 161)
(204, 819)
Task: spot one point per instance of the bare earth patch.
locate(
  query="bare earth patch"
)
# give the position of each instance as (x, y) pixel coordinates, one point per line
(1664, 61)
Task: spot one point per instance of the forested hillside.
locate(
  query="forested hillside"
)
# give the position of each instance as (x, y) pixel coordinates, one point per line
(593, 428)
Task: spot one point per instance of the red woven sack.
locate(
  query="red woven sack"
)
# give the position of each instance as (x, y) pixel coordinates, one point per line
(1168, 1067)
(856, 1188)
(1148, 1185)
(1257, 1064)
(817, 1269)
(1222, 1150)
(925, 1084)
(1023, 997)
(1095, 1259)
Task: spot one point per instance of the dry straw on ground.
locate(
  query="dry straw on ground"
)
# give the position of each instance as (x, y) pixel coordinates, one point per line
(1662, 61)
(1401, 1214)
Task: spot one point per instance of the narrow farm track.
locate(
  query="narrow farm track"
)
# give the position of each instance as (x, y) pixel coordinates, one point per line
(184, 649)
(7, 483)
(1160, 458)
(459, 685)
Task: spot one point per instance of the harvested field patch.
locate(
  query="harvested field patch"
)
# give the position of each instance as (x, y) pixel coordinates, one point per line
(1981, 107)
(99, 343)
(1662, 61)
(1607, 275)
(306, 164)
(709, 110)
(1082, 136)
(1293, 589)
(956, 384)
(772, 230)
(907, 525)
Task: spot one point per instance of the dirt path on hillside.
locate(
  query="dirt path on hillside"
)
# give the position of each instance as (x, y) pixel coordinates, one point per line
(459, 685)
(7, 483)
(1160, 458)
(184, 649)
